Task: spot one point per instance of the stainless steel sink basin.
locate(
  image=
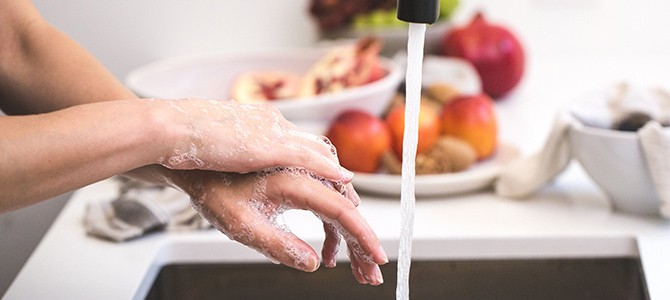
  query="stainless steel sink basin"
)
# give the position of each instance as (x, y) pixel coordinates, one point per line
(500, 279)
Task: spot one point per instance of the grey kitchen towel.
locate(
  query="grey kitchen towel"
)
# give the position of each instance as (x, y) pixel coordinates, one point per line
(139, 209)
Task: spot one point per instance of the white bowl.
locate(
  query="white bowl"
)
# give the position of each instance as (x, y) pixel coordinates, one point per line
(614, 160)
(395, 38)
(210, 77)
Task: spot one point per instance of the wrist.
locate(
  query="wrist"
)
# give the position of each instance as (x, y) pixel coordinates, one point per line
(169, 130)
(157, 174)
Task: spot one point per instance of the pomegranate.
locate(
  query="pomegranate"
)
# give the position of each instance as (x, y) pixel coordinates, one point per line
(263, 86)
(343, 67)
(494, 51)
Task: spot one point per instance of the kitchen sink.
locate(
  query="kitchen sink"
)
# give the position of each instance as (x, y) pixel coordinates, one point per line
(538, 278)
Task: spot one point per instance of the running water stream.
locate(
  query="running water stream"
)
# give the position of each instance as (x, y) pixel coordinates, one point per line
(415, 43)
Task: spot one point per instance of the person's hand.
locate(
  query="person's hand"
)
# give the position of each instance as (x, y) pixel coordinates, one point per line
(233, 137)
(245, 207)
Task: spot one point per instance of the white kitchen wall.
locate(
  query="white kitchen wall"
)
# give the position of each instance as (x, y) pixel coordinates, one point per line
(126, 33)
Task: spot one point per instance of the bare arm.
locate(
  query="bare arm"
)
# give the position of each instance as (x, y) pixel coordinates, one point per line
(49, 154)
(51, 150)
(68, 130)
(74, 132)
(42, 70)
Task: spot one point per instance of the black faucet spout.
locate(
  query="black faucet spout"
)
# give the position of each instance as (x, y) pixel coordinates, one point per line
(419, 11)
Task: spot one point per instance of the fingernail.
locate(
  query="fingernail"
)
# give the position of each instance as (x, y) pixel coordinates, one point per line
(311, 265)
(384, 258)
(346, 174)
(362, 279)
(369, 280)
(331, 263)
(378, 278)
(353, 195)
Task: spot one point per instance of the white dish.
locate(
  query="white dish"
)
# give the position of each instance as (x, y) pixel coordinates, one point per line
(211, 76)
(478, 177)
(616, 161)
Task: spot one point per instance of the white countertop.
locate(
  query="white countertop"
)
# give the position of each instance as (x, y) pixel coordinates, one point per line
(569, 218)
(558, 223)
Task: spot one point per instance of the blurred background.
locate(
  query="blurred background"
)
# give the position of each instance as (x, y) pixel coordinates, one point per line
(125, 34)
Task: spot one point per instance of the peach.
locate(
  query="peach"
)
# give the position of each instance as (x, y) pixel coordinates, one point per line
(360, 139)
(473, 119)
(429, 128)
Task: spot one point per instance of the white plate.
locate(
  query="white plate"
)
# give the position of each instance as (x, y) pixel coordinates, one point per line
(477, 177)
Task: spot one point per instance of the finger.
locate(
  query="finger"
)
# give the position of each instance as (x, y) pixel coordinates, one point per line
(302, 157)
(321, 143)
(369, 271)
(355, 269)
(331, 245)
(317, 154)
(339, 211)
(283, 246)
(352, 195)
(254, 229)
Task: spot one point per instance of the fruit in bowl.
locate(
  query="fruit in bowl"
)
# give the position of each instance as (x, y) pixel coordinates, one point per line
(263, 86)
(350, 19)
(332, 15)
(340, 68)
(429, 128)
(473, 119)
(344, 67)
(371, 144)
(220, 76)
(361, 139)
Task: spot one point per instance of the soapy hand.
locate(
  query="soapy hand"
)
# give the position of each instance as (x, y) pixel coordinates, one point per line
(234, 137)
(245, 208)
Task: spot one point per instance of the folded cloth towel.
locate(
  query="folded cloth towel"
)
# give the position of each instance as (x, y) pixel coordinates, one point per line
(656, 146)
(522, 177)
(140, 209)
(525, 176)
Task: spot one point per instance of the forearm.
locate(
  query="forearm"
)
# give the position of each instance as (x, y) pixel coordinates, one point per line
(42, 70)
(45, 155)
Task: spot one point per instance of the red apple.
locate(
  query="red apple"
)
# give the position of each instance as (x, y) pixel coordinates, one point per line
(473, 119)
(360, 139)
(429, 128)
